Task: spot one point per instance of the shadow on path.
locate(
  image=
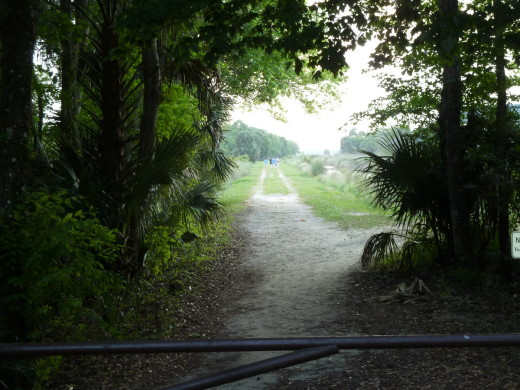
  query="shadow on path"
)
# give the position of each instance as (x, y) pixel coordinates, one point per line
(294, 272)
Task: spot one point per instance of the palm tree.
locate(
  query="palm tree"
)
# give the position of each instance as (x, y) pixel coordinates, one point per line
(120, 166)
(409, 184)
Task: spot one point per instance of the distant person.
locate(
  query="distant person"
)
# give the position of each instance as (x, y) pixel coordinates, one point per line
(277, 161)
(266, 161)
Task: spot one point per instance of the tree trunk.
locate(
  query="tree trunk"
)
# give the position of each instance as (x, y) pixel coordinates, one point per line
(17, 40)
(147, 139)
(39, 128)
(453, 140)
(70, 93)
(502, 137)
(111, 142)
(152, 91)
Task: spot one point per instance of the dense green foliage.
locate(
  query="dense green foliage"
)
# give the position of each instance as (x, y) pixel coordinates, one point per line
(407, 180)
(110, 144)
(256, 144)
(57, 263)
(454, 91)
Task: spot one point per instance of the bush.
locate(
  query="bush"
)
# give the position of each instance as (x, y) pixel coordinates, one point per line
(305, 166)
(317, 167)
(54, 259)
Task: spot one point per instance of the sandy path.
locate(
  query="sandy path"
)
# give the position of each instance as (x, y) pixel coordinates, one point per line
(292, 283)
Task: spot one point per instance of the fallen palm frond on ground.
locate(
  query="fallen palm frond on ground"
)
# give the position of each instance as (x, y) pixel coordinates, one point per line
(405, 294)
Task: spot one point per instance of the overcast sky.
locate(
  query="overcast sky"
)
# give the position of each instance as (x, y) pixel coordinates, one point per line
(317, 132)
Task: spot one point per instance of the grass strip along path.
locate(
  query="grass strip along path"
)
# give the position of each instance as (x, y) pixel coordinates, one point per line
(341, 204)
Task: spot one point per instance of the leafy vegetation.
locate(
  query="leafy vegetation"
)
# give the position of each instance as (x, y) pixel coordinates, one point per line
(333, 196)
(408, 182)
(456, 90)
(260, 78)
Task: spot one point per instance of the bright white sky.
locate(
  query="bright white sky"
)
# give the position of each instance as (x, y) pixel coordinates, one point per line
(317, 132)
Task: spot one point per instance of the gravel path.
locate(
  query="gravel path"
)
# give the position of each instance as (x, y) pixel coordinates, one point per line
(292, 283)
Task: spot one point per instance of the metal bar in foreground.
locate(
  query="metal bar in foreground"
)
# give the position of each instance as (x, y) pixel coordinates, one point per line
(274, 344)
(256, 368)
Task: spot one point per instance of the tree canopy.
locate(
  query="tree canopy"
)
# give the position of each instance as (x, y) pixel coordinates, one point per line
(257, 144)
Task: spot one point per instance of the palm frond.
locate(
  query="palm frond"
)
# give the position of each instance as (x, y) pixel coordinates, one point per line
(203, 81)
(408, 251)
(219, 167)
(202, 205)
(378, 249)
(172, 157)
(408, 181)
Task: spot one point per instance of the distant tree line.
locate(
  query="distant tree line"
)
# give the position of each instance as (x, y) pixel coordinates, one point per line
(358, 141)
(355, 142)
(256, 144)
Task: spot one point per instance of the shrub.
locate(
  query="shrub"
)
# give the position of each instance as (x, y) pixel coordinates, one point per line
(54, 268)
(305, 167)
(408, 183)
(317, 167)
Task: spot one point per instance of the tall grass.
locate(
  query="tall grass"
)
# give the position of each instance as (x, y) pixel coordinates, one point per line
(317, 167)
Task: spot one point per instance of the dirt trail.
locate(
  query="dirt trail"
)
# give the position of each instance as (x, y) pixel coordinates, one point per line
(292, 283)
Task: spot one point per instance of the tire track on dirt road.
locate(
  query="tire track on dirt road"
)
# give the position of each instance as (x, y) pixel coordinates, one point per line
(291, 284)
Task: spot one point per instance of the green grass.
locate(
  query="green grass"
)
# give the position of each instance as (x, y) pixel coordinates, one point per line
(340, 203)
(273, 184)
(238, 190)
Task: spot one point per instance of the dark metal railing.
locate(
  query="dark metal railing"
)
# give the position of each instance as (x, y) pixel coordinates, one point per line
(306, 349)
(273, 344)
(261, 367)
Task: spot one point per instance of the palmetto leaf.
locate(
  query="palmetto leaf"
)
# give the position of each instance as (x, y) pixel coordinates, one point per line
(378, 248)
(408, 181)
(165, 168)
(204, 83)
(219, 166)
(201, 205)
(383, 247)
